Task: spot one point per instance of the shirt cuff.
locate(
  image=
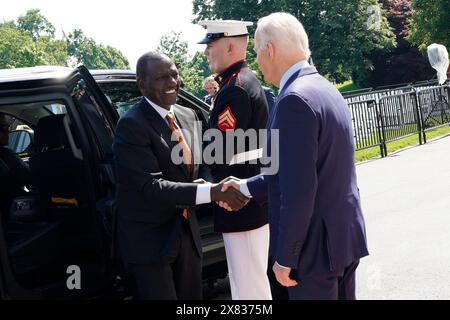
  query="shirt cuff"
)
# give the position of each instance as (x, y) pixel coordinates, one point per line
(281, 266)
(203, 193)
(244, 189)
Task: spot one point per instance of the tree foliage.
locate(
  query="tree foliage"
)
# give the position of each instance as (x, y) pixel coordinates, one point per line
(430, 23)
(35, 24)
(405, 63)
(94, 56)
(193, 70)
(17, 49)
(342, 33)
(31, 41)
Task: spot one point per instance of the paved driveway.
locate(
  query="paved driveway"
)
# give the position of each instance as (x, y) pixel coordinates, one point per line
(406, 203)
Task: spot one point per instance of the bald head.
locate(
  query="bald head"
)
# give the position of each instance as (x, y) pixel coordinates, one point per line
(239, 46)
(224, 52)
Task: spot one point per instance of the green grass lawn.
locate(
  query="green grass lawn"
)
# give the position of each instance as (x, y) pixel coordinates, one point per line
(347, 86)
(399, 144)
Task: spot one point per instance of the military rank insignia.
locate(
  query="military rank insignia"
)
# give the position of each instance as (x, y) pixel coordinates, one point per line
(226, 120)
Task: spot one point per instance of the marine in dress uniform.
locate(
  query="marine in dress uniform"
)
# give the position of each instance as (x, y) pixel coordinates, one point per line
(240, 103)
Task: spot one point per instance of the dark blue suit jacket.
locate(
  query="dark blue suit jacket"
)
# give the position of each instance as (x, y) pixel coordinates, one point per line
(270, 97)
(316, 223)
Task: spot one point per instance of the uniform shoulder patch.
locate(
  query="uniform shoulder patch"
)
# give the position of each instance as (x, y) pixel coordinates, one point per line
(226, 120)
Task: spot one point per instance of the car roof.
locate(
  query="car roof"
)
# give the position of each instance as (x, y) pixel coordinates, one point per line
(57, 72)
(112, 73)
(34, 73)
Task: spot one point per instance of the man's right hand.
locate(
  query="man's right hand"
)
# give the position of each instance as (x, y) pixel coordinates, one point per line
(231, 198)
(230, 183)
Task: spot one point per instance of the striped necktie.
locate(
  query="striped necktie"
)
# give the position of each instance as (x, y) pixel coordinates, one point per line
(187, 153)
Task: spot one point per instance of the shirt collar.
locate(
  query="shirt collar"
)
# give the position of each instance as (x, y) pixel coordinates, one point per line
(230, 71)
(293, 69)
(161, 111)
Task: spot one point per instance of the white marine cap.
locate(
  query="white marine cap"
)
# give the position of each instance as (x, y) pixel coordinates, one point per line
(216, 29)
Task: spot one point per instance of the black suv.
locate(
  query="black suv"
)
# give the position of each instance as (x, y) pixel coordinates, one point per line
(44, 239)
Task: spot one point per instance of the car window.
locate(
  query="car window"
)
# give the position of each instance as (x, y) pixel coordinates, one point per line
(103, 133)
(25, 119)
(19, 140)
(123, 94)
(56, 108)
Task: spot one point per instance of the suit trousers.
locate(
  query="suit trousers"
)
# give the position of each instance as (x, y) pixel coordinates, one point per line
(247, 256)
(176, 276)
(332, 286)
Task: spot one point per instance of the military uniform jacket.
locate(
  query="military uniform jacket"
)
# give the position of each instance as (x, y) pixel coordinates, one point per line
(240, 103)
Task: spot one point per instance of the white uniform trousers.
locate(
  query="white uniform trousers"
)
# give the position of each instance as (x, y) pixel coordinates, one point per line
(247, 258)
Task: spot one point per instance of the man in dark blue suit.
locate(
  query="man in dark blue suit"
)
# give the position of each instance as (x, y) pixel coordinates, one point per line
(317, 228)
(270, 97)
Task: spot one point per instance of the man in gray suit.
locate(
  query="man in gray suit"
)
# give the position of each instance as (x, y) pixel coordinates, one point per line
(317, 228)
(157, 229)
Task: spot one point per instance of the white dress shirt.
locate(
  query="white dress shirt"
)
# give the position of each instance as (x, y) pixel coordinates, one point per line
(203, 194)
(293, 69)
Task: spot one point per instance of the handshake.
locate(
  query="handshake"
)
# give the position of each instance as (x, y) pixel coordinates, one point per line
(227, 194)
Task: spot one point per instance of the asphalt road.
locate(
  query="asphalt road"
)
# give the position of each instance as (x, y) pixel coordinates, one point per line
(406, 203)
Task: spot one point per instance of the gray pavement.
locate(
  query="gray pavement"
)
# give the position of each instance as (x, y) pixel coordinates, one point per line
(406, 203)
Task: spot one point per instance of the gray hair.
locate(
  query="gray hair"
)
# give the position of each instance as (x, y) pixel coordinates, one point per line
(211, 79)
(285, 29)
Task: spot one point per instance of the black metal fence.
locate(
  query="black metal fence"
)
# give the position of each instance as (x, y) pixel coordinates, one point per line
(382, 116)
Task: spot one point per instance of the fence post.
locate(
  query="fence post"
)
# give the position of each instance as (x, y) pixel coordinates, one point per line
(421, 121)
(372, 104)
(383, 147)
(420, 125)
(447, 88)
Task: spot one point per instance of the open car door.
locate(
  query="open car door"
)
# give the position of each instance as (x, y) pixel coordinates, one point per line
(56, 235)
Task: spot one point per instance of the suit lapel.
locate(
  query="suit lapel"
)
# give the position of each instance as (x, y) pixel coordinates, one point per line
(160, 125)
(300, 73)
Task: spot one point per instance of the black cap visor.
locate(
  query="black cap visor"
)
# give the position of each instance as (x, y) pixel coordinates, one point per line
(214, 36)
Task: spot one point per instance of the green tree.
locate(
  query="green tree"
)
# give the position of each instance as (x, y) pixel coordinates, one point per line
(193, 70)
(31, 41)
(17, 49)
(51, 51)
(342, 33)
(35, 24)
(94, 56)
(196, 71)
(430, 23)
(172, 46)
(404, 63)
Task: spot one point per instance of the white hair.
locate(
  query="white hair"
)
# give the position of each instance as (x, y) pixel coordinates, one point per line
(284, 29)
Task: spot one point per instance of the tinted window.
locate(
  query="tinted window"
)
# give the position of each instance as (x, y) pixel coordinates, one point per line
(123, 94)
